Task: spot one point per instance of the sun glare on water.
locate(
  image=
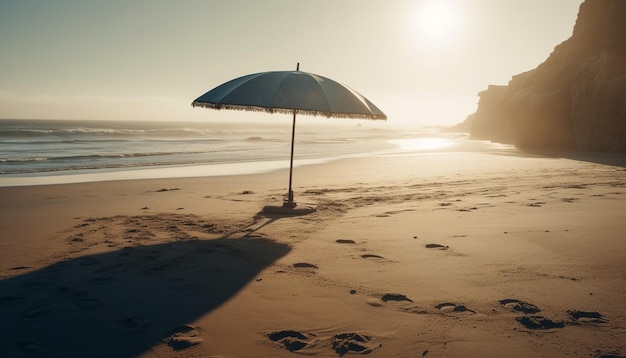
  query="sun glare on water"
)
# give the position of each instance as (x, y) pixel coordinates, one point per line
(420, 144)
(437, 22)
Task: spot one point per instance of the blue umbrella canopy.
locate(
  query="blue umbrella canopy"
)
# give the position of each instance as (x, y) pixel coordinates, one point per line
(289, 92)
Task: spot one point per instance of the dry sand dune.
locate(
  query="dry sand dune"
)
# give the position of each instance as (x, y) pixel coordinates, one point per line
(439, 255)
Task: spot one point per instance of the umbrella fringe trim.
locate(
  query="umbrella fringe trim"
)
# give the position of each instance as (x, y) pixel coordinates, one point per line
(289, 111)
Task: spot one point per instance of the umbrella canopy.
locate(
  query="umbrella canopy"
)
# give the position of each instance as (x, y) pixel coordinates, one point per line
(290, 92)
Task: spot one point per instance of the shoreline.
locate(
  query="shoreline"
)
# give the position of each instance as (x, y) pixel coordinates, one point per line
(428, 145)
(153, 173)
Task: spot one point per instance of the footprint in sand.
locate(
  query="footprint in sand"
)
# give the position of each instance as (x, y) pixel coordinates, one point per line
(18, 268)
(353, 343)
(395, 297)
(184, 337)
(539, 322)
(343, 343)
(75, 240)
(536, 204)
(453, 307)
(436, 246)
(290, 340)
(165, 189)
(345, 241)
(519, 306)
(371, 256)
(304, 265)
(586, 317)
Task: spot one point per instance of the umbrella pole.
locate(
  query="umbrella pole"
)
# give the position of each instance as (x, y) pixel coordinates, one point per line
(290, 203)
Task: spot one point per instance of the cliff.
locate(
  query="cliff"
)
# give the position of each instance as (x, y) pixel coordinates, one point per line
(575, 99)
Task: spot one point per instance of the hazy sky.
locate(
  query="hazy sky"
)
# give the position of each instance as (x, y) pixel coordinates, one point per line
(420, 61)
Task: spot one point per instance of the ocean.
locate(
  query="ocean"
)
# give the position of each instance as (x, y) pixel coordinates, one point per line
(36, 152)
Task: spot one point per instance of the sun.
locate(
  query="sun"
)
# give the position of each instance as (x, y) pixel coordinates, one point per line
(437, 22)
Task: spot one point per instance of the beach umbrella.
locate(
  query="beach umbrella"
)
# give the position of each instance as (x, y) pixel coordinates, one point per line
(290, 92)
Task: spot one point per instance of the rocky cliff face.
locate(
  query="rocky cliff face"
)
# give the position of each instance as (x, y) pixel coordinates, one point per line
(576, 99)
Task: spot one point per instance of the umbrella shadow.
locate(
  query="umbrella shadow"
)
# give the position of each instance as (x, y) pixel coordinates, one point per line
(122, 303)
(274, 214)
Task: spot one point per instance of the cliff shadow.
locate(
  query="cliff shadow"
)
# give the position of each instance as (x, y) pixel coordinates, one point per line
(122, 303)
(611, 159)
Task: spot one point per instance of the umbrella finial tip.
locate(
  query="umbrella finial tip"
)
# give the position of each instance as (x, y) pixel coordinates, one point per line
(298, 66)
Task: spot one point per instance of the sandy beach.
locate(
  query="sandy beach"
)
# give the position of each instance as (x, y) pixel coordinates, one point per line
(460, 254)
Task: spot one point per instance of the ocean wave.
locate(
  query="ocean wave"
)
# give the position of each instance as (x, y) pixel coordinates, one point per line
(33, 170)
(150, 133)
(120, 160)
(262, 139)
(121, 155)
(95, 132)
(37, 132)
(59, 143)
(23, 160)
(122, 165)
(76, 158)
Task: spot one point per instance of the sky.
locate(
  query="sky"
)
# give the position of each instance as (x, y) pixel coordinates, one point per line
(420, 61)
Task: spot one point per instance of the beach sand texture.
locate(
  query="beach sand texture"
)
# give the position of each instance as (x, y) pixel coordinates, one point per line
(432, 255)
